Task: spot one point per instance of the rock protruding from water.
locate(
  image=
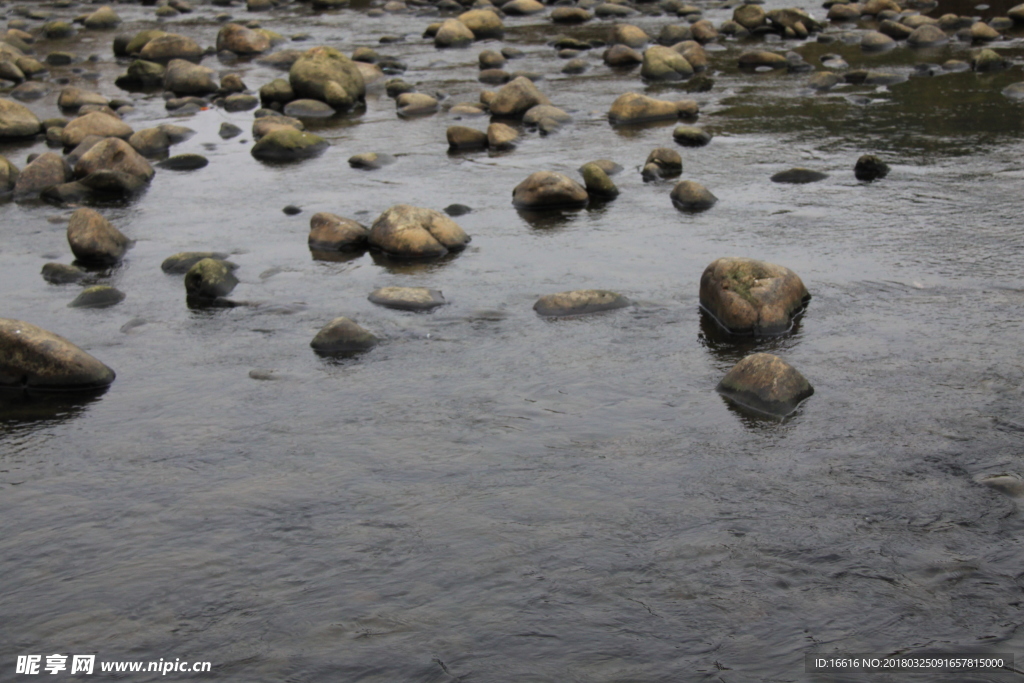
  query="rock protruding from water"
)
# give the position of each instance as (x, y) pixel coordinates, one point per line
(662, 162)
(98, 296)
(548, 190)
(17, 120)
(517, 97)
(34, 358)
(342, 335)
(62, 274)
(579, 302)
(765, 383)
(688, 195)
(242, 40)
(94, 240)
(597, 182)
(870, 167)
(407, 298)
(691, 136)
(751, 297)
(501, 136)
(664, 64)
(464, 137)
(326, 74)
(636, 108)
(798, 176)
(414, 232)
(285, 143)
(329, 232)
(209, 279)
(181, 262)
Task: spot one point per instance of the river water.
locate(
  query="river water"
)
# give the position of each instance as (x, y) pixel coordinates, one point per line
(491, 496)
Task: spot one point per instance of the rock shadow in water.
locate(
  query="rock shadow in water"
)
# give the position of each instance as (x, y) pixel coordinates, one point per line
(21, 408)
(549, 220)
(411, 266)
(731, 348)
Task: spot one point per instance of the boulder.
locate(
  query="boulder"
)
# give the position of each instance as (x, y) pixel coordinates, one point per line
(103, 18)
(180, 263)
(750, 297)
(765, 383)
(628, 35)
(98, 296)
(704, 31)
(453, 33)
(662, 162)
(17, 120)
(570, 15)
(546, 117)
(548, 190)
(328, 232)
(242, 40)
(823, 80)
(309, 109)
(72, 99)
(8, 175)
(407, 298)
(268, 124)
(869, 167)
(463, 137)
(325, 74)
(927, 35)
(405, 231)
(691, 136)
(515, 98)
(34, 358)
(94, 240)
(798, 176)
(671, 34)
(278, 90)
(164, 48)
(622, 56)
(135, 44)
(750, 16)
(113, 154)
(185, 78)
(482, 23)
(62, 274)
(517, 8)
(845, 12)
(416, 104)
(636, 108)
(501, 136)
(688, 195)
(288, 144)
(579, 302)
(875, 41)
(184, 162)
(664, 64)
(597, 182)
(606, 165)
(45, 171)
(141, 74)
(989, 60)
(342, 335)
(95, 123)
(209, 279)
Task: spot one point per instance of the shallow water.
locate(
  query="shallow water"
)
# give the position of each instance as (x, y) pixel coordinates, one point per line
(491, 496)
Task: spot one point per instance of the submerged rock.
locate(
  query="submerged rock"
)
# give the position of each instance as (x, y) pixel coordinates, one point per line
(94, 240)
(370, 161)
(405, 231)
(61, 274)
(548, 190)
(766, 384)
(798, 176)
(181, 262)
(579, 302)
(98, 296)
(329, 232)
(691, 196)
(34, 358)
(209, 279)
(753, 297)
(408, 298)
(870, 167)
(342, 335)
(184, 162)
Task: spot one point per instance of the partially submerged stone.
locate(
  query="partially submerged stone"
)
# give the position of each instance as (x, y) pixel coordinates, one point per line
(98, 296)
(330, 232)
(464, 137)
(17, 120)
(579, 302)
(798, 176)
(94, 240)
(548, 190)
(516, 97)
(184, 162)
(501, 136)
(597, 182)
(688, 195)
(662, 162)
(34, 358)
(342, 335)
(636, 108)
(414, 232)
(62, 274)
(765, 383)
(326, 74)
(870, 167)
(209, 279)
(288, 144)
(181, 262)
(370, 161)
(751, 297)
(691, 136)
(408, 298)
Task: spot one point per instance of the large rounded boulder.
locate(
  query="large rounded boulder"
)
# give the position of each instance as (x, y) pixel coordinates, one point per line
(17, 120)
(325, 74)
(94, 240)
(329, 232)
(766, 384)
(343, 336)
(751, 297)
(548, 190)
(517, 97)
(242, 40)
(34, 358)
(414, 232)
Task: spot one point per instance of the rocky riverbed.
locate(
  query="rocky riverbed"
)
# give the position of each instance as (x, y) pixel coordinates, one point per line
(416, 367)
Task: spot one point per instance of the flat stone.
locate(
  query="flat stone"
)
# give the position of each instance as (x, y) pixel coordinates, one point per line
(407, 298)
(184, 162)
(98, 296)
(62, 274)
(370, 161)
(579, 302)
(181, 262)
(309, 109)
(691, 136)
(798, 176)
(329, 232)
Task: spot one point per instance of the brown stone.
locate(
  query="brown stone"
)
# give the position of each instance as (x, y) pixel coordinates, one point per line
(94, 240)
(753, 297)
(766, 384)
